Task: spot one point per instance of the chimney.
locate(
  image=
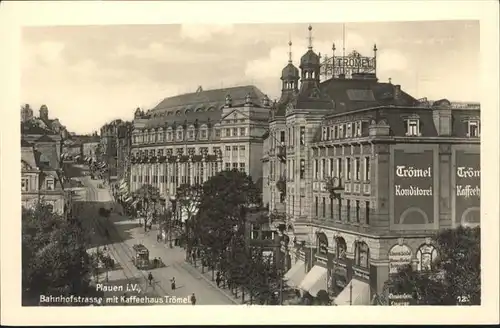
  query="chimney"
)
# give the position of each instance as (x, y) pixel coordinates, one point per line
(397, 91)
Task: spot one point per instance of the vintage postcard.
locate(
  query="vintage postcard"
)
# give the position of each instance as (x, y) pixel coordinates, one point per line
(193, 168)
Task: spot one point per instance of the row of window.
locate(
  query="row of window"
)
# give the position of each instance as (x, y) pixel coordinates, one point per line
(290, 169)
(333, 167)
(235, 166)
(412, 127)
(178, 152)
(352, 212)
(344, 130)
(25, 185)
(287, 137)
(180, 135)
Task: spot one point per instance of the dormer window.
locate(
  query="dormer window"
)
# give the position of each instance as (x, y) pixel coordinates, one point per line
(335, 132)
(191, 133)
(203, 133)
(324, 134)
(50, 184)
(413, 127)
(179, 134)
(348, 132)
(341, 131)
(473, 129)
(217, 133)
(358, 128)
(160, 136)
(169, 135)
(24, 184)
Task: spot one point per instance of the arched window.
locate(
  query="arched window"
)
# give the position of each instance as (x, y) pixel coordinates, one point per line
(362, 255)
(426, 255)
(341, 248)
(199, 109)
(210, 109)
(170, 113)
(178, 113)
(321, 243)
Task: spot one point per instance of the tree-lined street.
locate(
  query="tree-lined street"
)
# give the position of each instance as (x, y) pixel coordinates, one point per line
(125, 232)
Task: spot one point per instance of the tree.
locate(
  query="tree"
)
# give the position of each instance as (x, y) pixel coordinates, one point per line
(188, 200)
(454, 278)
(224, 201)
(54, 256)
(149, 197)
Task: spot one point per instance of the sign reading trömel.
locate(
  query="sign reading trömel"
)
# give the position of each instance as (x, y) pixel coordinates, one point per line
(467, 187)
(399, 256)
(413, 187)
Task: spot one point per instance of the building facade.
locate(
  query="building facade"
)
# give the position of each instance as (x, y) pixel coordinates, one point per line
(364, 174)
(189, 138)
(40, 180)
(108, 149)
(124, 148)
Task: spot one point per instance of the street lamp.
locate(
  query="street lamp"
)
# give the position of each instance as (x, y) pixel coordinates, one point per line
(173, 202)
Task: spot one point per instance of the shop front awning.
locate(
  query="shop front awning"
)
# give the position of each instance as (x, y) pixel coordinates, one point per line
(315, 280)
(360, 294)
(128, 199)
(296, 274)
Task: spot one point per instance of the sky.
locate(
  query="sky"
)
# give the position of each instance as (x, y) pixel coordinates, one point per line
(90, 75)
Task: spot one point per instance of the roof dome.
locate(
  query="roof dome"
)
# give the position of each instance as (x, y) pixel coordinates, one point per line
(290, 71)
(309, 58)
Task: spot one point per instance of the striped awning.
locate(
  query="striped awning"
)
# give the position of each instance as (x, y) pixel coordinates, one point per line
(128, 199)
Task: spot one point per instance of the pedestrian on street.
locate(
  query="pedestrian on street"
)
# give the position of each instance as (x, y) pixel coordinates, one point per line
(150, 278)
(172, 283)
(193, 299)
(218, 279)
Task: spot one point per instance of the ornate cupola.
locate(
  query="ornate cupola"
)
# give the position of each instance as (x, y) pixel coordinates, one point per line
(309, 66)
(290, 75)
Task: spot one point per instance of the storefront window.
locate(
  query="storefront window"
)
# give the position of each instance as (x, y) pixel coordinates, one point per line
(362, 254)
(341, 248)
(426, 255)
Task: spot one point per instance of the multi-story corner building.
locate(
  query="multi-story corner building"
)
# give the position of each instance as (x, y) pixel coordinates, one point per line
(41, 180)
(190, 137)
(124, 147)
(108, 149)
(364, 174)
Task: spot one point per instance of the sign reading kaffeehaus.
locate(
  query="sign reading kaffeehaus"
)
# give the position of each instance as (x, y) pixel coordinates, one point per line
(467, 187)
(413, 187)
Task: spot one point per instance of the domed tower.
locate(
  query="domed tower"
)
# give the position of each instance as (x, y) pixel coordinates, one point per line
(26, 113)
(44, 113)
(138, 114)
(289, 76)
(309, 66)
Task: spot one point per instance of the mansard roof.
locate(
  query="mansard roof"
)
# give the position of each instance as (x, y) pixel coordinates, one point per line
(203, 105)
(344, 95)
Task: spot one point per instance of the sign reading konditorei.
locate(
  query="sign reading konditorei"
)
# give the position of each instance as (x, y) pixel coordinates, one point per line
(467, 187)
(413, 187)
(399, 256)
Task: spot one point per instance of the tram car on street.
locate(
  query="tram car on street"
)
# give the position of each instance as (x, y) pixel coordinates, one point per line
(141, 259)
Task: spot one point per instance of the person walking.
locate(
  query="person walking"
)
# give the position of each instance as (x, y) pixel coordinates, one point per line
(193, 299)
(150, 278)
(172, 283)
(218, 279)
